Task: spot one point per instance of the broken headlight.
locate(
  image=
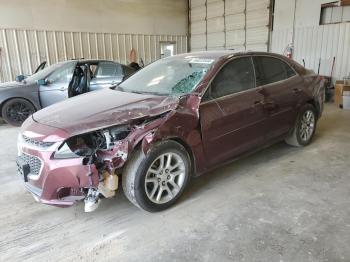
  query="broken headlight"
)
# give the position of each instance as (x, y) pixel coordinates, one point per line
(88, 144)
(72, 148)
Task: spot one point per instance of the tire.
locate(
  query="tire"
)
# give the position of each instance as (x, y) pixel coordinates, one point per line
(16, 110)
(303, 132)
(141, 167)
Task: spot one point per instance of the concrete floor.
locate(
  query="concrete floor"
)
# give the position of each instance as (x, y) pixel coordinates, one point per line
(280, 204)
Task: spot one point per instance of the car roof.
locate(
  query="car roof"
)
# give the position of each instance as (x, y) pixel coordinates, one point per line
(223, 54)
(82, 60)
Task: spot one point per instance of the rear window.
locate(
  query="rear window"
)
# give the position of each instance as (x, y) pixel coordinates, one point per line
(108, 69)
(271, 70)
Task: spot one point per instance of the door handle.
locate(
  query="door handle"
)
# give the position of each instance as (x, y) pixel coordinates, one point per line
(258, 103)
(62, 88)
(269, 106)
(296, 90)
(255, 106)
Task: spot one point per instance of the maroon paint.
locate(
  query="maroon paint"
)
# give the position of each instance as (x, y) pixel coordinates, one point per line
(214, 132)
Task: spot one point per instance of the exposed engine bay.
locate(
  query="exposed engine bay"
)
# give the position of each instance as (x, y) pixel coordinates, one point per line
(105, 150)
(88, 146)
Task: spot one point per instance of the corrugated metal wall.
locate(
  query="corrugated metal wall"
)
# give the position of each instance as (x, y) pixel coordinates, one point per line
(229, 24)
(315, 44)
(21, 51)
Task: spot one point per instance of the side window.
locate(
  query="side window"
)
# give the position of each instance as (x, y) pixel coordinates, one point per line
(108, 69)
(269, 70)
(62, 74)
(235, 76)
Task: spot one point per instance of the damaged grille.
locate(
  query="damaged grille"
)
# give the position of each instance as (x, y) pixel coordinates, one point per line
(33, 142)
(33, 162)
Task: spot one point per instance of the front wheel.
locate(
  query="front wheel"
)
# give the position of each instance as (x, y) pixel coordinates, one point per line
(304, 128)
(155, 181)
(16, 110)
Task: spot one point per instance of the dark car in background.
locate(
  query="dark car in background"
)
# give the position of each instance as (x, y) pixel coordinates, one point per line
(178, 117)
(55, 83)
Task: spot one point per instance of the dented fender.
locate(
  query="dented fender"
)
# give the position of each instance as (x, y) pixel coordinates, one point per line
(181, 124)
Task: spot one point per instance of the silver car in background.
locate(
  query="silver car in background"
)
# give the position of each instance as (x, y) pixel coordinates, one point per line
(55, 83)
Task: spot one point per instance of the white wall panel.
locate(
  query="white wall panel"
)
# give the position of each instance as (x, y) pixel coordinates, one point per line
(194, 3)
(258, 18)
(257, 4)
(23, 50)
(216, 25)
(198, 13)
(198, 27)
(234, 6)
(230, 23)
(198, 41)
(235, 38)
(319, 44)
(234, 22)
(257, 47)
(117, 16)
(215, 9)
(216, 48)
(257, 35)
(216, 39)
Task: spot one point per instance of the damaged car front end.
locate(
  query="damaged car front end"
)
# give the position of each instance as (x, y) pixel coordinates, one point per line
(60, 167)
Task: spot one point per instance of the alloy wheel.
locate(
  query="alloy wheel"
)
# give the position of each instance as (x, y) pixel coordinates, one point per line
(307, 125)
(165, 177)
(18, 112)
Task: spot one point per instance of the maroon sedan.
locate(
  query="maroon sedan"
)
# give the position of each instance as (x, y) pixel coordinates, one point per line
(178, 117)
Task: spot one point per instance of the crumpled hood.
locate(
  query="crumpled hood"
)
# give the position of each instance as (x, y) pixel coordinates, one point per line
(102, 109)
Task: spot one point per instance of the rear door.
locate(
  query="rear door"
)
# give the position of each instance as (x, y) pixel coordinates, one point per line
(107, 74)
(56, 89)
(231, 116)
(280, 85)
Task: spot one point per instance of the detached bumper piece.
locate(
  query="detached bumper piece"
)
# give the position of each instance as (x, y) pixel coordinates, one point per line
(23, 168)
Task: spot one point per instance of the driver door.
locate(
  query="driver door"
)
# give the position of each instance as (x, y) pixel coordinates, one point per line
(56, 89)
(232, 119)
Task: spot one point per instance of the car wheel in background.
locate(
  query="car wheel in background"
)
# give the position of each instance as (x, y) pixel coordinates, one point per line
(304, 128)
(16, 110)
(155, 181)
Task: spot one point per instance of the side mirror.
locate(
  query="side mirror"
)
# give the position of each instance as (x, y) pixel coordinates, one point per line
(42, 82)
(20, 78)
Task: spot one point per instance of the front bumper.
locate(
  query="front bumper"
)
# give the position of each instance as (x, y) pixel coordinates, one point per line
(37, 192)
(57, 182)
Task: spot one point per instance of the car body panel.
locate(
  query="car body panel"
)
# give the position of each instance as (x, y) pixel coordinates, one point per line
(236, 124)
(104, 82)
(56, 91)
(45, 95)
(213, 132)
(26, 90)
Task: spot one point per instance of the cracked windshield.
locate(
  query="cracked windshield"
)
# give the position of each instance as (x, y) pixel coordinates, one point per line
(172, 76)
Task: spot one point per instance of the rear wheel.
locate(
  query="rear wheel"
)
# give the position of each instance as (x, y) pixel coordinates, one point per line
(16, 110)
(156, 180)
(304, 128)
